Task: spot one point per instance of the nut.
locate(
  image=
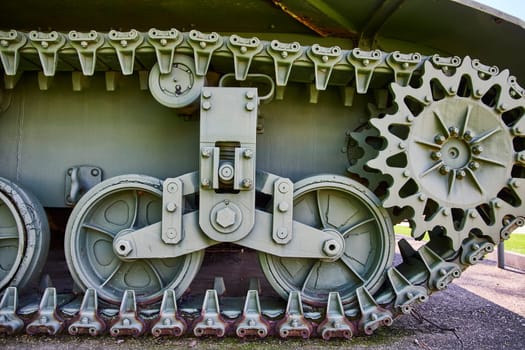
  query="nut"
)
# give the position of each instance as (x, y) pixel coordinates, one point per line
(124, 247)
(225, 217)
(331, 247)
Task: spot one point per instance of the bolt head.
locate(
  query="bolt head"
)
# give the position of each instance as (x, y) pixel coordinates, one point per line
(250, 106)
(440, 139)
(477, 149)
(435, 155)
(247, 183)
(171, 207)
(283, 207)
(124, 247)
(225, 217)
(453, 131)
(248, 153)
(331, 247)
(206, 105)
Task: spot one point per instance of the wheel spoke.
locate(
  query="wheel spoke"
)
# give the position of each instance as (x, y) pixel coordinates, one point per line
(428, 144)
(135, 209)
(315, 267)
(486, 135)
(111, 275)
(431, 169)
(347, 261)
(451, 181)
(99, 229)
(322, 216)
(475, 179)
(155, 272)
(466, 120)
(490, 161)
(357, 225)
(442, 124)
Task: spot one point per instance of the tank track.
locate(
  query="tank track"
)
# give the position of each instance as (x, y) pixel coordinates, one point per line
(471, 230)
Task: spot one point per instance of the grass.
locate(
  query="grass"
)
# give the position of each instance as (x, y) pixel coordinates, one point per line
(515, 244)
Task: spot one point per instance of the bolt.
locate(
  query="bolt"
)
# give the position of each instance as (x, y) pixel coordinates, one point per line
(250, 95)
(475, 246)
(171, 207)
(522, 157)
(516, 131)
(427, 99)
(84, 44)
(440, 139)
(461, 174)
(250, 106)
(248, 153)
(283, 207)
(477, 149)
(514, 183)
(452, 90)
(402, 145)
(444, 212)
(467, 135)
(251, 323)
(474, 165)
(366, 62)
(422, 197)
(205, 182)
(435, 155)
(406, 173)
(331, 247)
(206, 93)
(44, 44)
(206, 152)
(444, 170)
(409, 118)
(167, 322)
(453, 131)
(163, 42)
(473, 214)
(206, 105)
(497, 203)
(247, 183)
(325, 58)
(4, 43)
(243, 49)
(410, 295)
(442, 272)
(284, 54)
(477, 93)
(124, 43)
(202, 44)
(95, 172)
(225, 217)
(172, 187)
(405, 65)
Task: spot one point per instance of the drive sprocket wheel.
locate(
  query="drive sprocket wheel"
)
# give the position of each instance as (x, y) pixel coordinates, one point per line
(454, 150)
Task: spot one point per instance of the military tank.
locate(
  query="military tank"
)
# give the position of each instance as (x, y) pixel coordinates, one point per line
(210, 168)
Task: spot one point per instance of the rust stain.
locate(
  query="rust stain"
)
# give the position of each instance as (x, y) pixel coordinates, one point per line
(303, 20)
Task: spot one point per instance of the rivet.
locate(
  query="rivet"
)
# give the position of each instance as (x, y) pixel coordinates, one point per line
(325, 58)
(444, 212)
(452, 90)
(366, 62)
(206, 105)
(516, 131)
(206, 93)
(250, 94)
(171, 207)
(84, 44)
(243, 49)
(402, 145)
(123, 43)
(171, 233)
(250, 106)
(497, 203)
(427, 99)
(202, 44)
(473, 214)
(163, 42)
(4, 43)
(422, 197)
(409, 118)
(44, 44)
(406, 173)
(283, 207)
(405, 65)
(284, 54)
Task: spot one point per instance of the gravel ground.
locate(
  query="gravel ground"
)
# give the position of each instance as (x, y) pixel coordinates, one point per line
(484, 309)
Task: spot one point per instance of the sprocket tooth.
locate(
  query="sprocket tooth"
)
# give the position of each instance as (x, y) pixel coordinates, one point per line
(10, 323)
(407, 294)
(294, 324)
(210, 322)
(441, 272)
(47, 320)
(252, 322)
(128, 321)
(373, 316)
(407, 251)
(335, 324)
(168, 322)
(87, 321)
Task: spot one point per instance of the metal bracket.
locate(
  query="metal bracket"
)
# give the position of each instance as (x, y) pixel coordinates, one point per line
(10, 323)
(47, 46)
(403, 65)
(210, 322)
(445, 63)
(47, 320)
(324, 59)
(282, 224)
(10, 44)
(364, 62)
(252, 322)
(243, 50)
(203, 47)
(335, 324)
(441, 271)
(474, 249)
(79, 179)
(172, 211)
(406, 293)
(484, 71)
(87, 321)
(128, 321)
(511, 226)
(86, 45)
(164, 42)
(516, 90)
(125, 44)
(284, 55)
(373, 316)
(168, 321)
(294, 324)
